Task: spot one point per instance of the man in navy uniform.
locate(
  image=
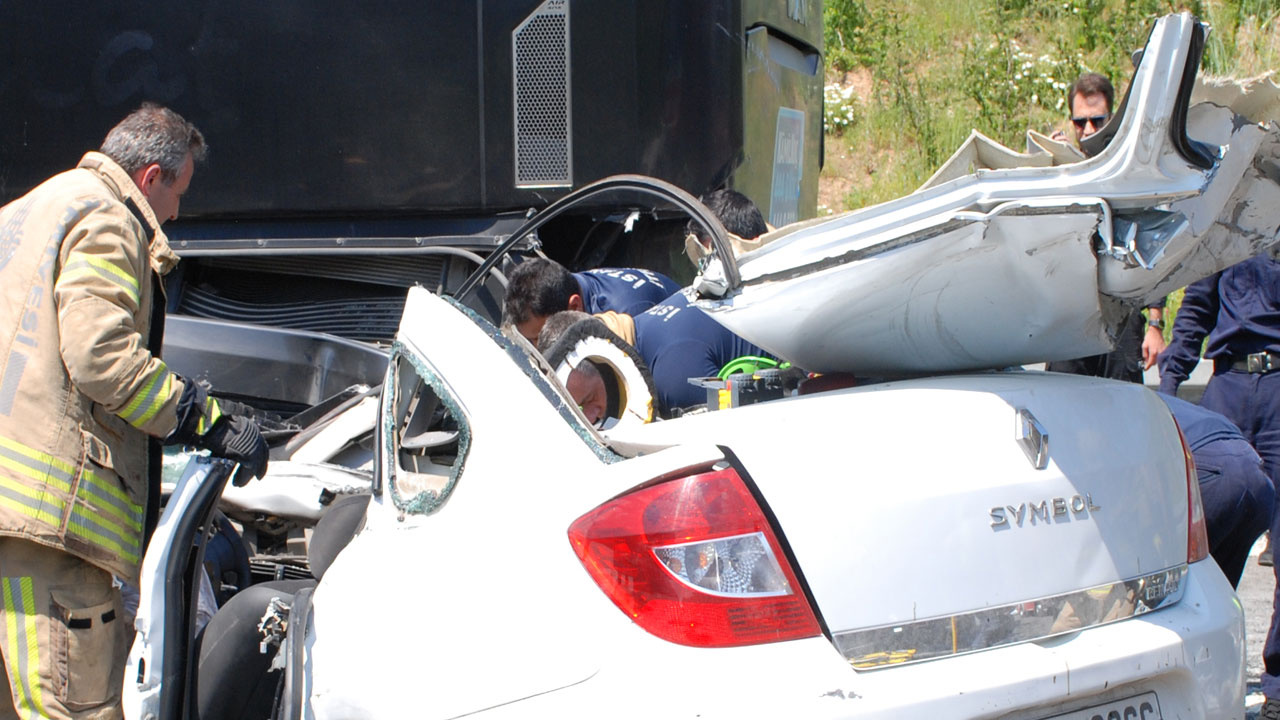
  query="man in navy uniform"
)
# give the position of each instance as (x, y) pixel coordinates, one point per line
(1239, 310)
(678, 341)
(539, 287)
(624, 290)
(1237, 496)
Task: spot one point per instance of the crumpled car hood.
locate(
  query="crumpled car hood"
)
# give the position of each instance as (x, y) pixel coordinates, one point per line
(1002, 267)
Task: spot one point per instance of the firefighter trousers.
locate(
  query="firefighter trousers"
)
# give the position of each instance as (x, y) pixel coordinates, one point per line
(62, 635)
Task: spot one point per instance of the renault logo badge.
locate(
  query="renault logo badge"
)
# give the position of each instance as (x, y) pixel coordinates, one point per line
(1033, 438)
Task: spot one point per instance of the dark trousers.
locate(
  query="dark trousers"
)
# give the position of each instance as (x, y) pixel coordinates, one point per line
(1252, 402)
(1238, 499)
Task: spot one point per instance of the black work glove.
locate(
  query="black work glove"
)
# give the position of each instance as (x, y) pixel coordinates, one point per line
(231, 407)
(237, 438)
(268, 422)
(195, 410)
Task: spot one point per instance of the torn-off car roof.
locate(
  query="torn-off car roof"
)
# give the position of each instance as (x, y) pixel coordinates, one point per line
(1008, 266)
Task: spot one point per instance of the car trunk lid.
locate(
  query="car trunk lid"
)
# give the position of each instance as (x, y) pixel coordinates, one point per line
(931, 504)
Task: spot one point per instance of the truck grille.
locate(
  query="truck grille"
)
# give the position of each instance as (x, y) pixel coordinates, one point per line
(403, 271)
(540, 55)
(355, 297)
(369, 319)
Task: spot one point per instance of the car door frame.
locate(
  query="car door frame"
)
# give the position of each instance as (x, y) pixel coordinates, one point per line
(658, 189)
(160, 674)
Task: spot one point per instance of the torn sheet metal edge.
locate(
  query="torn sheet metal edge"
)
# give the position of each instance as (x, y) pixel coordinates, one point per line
(980, 151)
(1234, 219)
(1256, 98)
(890, 239)
(987, 290)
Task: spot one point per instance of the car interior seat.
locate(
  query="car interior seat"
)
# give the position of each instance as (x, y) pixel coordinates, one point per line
(227, 648)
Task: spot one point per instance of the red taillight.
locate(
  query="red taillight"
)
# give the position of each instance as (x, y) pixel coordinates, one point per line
(694, 561)
(1197, 531)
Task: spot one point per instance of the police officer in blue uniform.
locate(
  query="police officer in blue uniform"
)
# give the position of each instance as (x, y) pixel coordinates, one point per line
(1239, 310)
(538, 288)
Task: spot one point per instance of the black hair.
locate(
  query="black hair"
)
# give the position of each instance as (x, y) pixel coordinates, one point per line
(1091, 84)
(735, 212)
(537, 287)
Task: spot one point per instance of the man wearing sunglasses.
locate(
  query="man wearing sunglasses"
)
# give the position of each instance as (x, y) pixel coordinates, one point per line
(1091, 97)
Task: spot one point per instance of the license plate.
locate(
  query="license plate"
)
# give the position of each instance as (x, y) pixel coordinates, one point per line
(1138, 707)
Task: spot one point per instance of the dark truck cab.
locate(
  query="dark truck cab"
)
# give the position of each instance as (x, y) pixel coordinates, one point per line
(359, 149)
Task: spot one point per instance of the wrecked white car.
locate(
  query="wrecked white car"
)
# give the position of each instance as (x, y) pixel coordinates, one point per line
(979, 543)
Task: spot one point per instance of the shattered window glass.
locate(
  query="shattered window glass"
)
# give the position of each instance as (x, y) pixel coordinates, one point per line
(428, 437)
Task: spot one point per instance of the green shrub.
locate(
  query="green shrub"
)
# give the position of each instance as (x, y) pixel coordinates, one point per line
(844, 31)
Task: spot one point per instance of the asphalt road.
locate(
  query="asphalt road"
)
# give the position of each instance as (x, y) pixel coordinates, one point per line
(1256, 591)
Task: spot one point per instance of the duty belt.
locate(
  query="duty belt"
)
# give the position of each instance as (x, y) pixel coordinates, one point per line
(1259, 362)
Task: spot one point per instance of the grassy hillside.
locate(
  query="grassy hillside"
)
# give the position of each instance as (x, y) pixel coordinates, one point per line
(908, 79)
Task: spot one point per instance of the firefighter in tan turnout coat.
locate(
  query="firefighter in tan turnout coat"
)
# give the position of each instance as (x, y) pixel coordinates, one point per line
(82, 393)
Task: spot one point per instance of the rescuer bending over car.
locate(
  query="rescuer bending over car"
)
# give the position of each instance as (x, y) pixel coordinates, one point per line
(679, 341)
(538, 288)
(596, 395)
(1237, 495)
(83, 399)
(675, 340)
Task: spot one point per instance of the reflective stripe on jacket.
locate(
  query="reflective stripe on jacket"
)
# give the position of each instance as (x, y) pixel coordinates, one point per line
(79, 391)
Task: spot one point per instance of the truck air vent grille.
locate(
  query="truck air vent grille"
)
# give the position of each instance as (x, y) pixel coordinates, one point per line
(359, 297)
(540, 55)
(369, 319)
(402, 271)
